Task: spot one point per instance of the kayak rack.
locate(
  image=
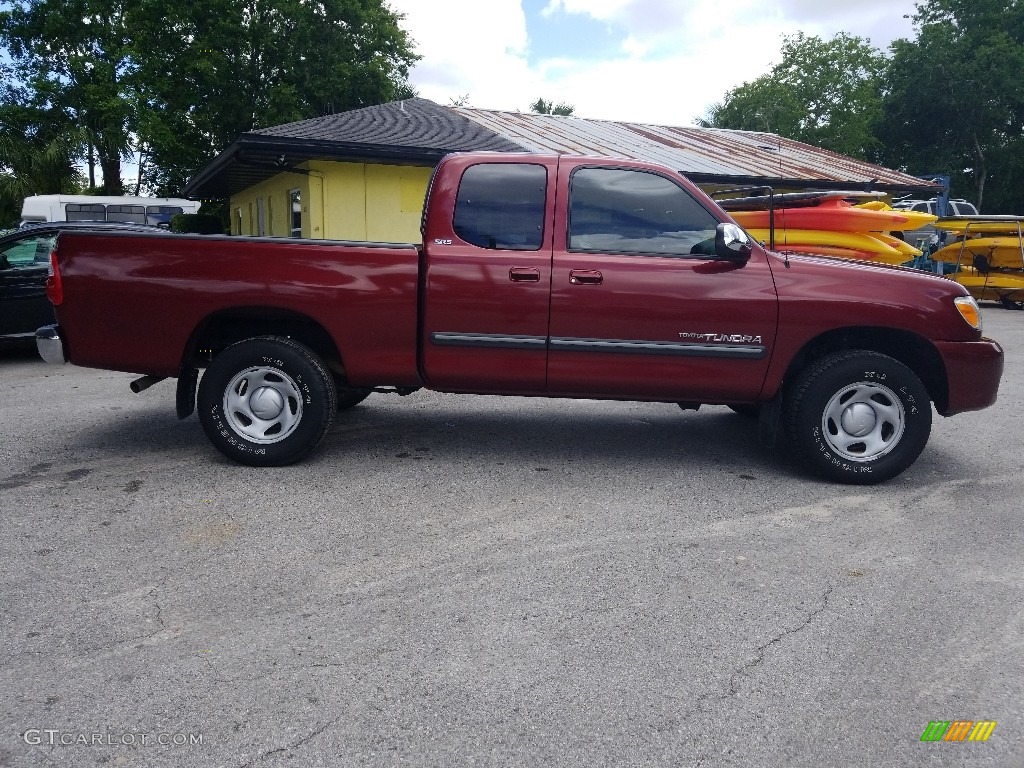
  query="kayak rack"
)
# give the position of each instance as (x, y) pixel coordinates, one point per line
(992, 226)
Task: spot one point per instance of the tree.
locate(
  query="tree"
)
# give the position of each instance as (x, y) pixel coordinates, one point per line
(219, 68)
(542, 107)
(177, 85)
(954, 101)
(37, 152)
(823, 92)
(73, 58)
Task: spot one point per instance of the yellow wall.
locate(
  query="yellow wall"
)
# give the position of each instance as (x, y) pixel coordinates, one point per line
(340, 201)
(276, 206)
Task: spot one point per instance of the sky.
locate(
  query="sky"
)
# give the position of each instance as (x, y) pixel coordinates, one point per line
(652, 61)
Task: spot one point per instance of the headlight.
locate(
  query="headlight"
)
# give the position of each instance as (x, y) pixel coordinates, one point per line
(968, 309)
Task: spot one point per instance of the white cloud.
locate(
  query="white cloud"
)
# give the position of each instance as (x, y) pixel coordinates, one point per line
(469, 47)
(675, 58)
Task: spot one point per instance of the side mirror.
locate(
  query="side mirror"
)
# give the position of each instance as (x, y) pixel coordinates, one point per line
(732, 243)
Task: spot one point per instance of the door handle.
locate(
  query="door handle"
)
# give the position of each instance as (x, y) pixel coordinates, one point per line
(585, 277)
(524, 275)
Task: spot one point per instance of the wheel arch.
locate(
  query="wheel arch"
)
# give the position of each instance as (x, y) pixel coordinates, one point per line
(913, 350)
(225, 327)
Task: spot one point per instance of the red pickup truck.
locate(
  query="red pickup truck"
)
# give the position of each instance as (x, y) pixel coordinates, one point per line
(540, 275)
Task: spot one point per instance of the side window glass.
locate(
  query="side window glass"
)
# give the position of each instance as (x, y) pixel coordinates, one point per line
(501, 206)
(923, 207)
(32, 251)
(85, 212)
(161, 214)
(624, 211)
(127, 214)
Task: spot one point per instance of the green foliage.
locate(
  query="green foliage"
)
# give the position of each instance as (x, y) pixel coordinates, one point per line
(542, 107)
(219, 68)
(955, 102)
(177, 84)
(37, 152)
(73, 57)
(824, 92)
(199, 223)
(949, 101)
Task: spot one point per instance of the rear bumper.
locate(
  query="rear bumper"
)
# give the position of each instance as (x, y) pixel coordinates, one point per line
(51, 345)
(973, 369)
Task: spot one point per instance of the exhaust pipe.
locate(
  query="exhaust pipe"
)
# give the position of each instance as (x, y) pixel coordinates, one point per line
(145, 383)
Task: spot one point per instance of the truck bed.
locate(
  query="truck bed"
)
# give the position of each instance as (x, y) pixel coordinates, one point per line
(133, 301)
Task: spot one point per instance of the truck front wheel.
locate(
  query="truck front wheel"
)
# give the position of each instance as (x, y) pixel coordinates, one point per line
(858, 417)
(266, 401)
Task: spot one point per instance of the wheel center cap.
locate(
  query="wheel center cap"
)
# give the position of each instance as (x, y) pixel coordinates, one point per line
(859, 419)
(266, 403)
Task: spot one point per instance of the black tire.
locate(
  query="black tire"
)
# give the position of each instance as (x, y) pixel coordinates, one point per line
(293, 413)
(747, 410)
(848, 396)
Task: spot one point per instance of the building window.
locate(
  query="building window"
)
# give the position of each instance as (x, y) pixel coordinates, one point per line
(252, 221)
(261, 218)
(238, 221)
(295, 200)
(270, 215)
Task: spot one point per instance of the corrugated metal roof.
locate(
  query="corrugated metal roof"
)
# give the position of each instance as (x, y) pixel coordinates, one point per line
(695, 151)
(421, 132)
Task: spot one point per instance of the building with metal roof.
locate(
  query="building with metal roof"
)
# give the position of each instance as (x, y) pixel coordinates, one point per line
(379, 157)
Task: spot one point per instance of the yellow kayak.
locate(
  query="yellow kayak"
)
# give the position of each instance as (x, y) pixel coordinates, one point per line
(982, 224)
(843, 253)
(915, 219)
(909, 251)
(995, 286)
(998, 252)
(855, 241)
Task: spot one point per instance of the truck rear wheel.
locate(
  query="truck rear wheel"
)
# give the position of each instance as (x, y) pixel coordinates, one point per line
(858, 417)
(266, 401)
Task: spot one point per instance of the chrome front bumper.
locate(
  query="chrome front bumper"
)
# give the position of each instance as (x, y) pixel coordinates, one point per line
(51, 345)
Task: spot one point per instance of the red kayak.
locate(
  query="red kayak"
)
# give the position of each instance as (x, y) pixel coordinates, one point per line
(831, 216)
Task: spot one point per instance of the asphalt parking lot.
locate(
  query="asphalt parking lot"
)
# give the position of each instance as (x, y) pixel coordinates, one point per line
(498, 582)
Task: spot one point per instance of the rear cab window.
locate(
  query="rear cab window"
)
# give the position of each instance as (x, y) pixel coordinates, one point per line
(500, 206)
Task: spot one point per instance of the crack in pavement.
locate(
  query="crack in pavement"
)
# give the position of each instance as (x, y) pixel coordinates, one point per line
(757, 661)
(309, 737)
(776, 640)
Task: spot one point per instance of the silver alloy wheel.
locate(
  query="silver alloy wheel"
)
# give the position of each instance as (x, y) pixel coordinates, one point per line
(263, 404)
(863, 421)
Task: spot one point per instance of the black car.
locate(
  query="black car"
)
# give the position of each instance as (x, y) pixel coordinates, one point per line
(24, 261)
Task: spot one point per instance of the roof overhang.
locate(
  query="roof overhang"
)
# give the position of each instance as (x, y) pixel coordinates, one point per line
(252, 159)
(924, 187)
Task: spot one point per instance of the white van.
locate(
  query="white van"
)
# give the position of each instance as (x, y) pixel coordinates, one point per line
(155, 211)
(928, 235)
